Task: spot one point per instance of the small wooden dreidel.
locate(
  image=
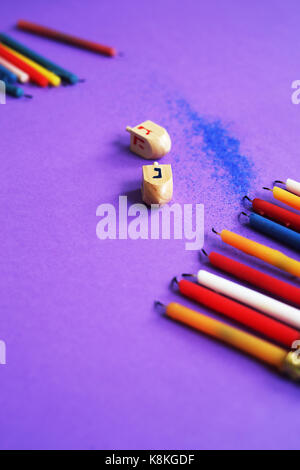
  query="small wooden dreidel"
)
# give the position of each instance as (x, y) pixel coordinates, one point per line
(157, 185)
(149, 140)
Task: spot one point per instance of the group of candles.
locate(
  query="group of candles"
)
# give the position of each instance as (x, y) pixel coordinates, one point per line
(18, 63)
(277, 320)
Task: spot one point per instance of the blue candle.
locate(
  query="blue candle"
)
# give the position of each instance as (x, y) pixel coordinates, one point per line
(7, 76)
(15, 91)
(48, 64)
(280, 233)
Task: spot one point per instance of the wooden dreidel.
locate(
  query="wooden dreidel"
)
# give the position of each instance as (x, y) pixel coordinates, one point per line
(149, 140)
(157, 185)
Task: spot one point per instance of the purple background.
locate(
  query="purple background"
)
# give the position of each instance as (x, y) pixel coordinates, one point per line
(89, 363)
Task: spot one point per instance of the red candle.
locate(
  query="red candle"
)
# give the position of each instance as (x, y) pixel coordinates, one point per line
(67, 38)
(246, 316)
(34, 75)
(255, 277)
(280, 215)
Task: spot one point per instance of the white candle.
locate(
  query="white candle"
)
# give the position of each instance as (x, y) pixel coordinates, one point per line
(293, 186)
(272, 307)
(23, 77)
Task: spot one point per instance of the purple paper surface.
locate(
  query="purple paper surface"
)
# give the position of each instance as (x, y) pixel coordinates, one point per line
(90, 365)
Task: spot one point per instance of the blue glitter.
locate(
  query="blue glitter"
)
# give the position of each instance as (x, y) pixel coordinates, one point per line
(221, 149)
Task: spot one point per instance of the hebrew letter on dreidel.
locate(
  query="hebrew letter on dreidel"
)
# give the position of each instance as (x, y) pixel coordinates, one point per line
(149, 140)
(159, 173)
(157, 185)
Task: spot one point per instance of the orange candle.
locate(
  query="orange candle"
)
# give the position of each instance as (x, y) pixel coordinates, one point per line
(287, 198)
(263, 252)
(248, 343)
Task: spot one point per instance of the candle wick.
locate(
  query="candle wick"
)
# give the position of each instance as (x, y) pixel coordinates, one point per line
(188, 275)
(244, 213)
(217, 233)
(248, 198)
(267, 189)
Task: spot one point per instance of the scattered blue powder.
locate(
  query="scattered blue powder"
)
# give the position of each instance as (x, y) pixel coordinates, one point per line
(213, 140)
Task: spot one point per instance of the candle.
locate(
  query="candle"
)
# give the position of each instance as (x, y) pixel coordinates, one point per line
(265, 253)
(15, 91)
(265, 351)
(22, 76)
(280, 215)
(284, 196)
(34, 75)
(7, 76)
(50, 76)
(291, 185)
(67, 38)
(261, 302)
(268, 227)
(273, 329)
(255, 277)
(17, 46)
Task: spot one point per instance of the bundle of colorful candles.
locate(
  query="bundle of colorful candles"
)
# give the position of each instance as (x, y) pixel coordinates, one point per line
(22, 64)
(19, 63)
(244, 305)
(265, 210)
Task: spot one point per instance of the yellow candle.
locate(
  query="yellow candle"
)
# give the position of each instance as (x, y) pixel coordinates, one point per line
(52, 77)
(287, 198)
(265, 253)
(248, 343)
